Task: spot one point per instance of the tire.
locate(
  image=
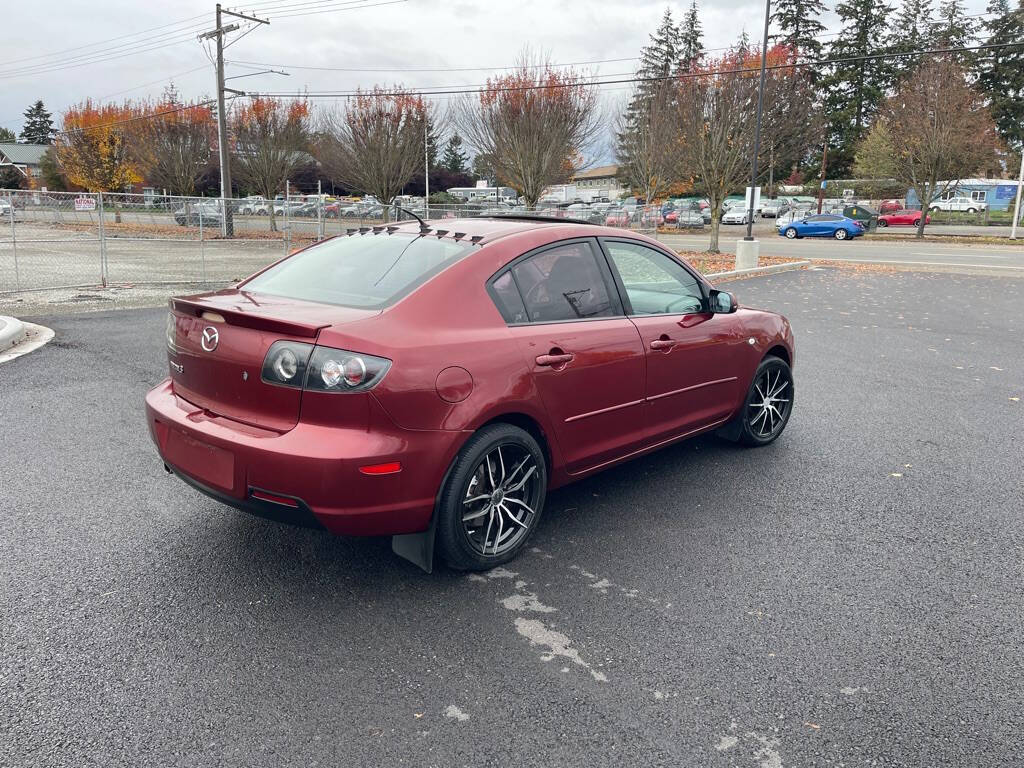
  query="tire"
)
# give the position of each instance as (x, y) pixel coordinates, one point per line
(933, 209)
(473, 486)
(840, 234)
(754, 416)
(917, 222)
(972, 210)
(882, 223)
(790, 234)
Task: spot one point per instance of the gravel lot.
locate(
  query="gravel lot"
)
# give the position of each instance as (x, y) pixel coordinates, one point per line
(850, 596)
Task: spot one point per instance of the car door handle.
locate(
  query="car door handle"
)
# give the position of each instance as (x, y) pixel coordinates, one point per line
(663, 343)
(555, 360)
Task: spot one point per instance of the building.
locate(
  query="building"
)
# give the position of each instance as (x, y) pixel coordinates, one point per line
(998, 193)
(24, 158)
(483, 192)
(599, 182)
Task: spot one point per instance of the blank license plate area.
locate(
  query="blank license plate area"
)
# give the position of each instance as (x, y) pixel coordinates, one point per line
(207, 463)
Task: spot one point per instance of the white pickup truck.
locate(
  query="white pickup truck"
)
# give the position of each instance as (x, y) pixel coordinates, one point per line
(958, 204)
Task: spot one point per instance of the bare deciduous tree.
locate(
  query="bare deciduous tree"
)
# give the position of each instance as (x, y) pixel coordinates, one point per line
(716, 114)
(934, 131)
(173, 147)
(648, 145)
(271, 138)
(375, 143)
(534, 123)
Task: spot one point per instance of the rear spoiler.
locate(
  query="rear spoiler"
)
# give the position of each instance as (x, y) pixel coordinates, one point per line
(246, 319)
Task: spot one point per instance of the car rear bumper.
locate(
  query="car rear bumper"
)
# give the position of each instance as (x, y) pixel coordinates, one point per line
(309, 475)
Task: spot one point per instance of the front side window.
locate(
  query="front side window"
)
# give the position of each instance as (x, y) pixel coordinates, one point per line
(365, 271)
(655, 283)
(564, 283)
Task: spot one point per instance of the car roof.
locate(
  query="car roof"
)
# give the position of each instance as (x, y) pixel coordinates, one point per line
(486, 229)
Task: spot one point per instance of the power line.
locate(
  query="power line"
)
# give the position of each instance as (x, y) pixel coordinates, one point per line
(103, 42)
(331, 10)
(464, 89)
(263, 64)
(117, 52)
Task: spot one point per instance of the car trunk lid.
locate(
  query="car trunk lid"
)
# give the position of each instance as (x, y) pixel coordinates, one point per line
(220, 341)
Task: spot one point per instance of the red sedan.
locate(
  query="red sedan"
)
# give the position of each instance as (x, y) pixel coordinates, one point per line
(434, 383)
(900, 218)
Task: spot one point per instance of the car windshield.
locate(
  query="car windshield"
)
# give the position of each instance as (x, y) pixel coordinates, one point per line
(365, 271)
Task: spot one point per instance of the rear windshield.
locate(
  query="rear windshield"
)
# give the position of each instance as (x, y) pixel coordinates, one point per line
(367, 271)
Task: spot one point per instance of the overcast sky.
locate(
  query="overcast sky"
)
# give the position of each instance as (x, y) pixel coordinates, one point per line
(408, 35)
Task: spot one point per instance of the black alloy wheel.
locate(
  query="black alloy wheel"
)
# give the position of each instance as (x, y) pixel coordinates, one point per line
(493, 498)
(769, 402)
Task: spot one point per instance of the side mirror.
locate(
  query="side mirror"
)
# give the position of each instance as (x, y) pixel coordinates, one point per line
(723, 302)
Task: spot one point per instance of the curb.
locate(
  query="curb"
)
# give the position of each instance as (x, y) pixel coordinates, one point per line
(12, 331)
(756, 271)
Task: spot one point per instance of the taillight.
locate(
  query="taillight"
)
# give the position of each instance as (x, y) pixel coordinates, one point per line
(285, 363)
(172, 325)
(322, 369)
(336, 370)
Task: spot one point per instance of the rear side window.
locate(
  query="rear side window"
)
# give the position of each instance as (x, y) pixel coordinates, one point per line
(564, 283)
(507, 297)
(366, 271)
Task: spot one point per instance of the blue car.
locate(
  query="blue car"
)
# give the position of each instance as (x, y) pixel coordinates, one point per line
(822, 225)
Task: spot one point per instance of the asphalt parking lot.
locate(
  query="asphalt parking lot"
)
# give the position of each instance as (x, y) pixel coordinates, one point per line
(849, 596)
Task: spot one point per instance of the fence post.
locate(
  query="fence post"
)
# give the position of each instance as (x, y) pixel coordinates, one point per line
(202, 244)
(103, 243)
(14, 241)
(319, 212)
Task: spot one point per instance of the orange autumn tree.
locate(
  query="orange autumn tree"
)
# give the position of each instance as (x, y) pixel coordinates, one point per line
(94, 146)
(173, 145)
(271, 137)
(374, 144)
(533, 123)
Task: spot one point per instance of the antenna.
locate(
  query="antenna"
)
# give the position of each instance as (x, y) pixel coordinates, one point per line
(423, 225)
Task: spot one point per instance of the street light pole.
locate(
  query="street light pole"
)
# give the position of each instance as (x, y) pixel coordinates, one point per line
(757, 123)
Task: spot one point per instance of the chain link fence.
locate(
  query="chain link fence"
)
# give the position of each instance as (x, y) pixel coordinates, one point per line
(52, 240)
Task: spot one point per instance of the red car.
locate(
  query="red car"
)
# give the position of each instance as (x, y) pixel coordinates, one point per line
(434, 383)
(899, 218)
(891, 206)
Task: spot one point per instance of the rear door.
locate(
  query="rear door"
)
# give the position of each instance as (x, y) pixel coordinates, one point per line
(585, 357)
(692, 354)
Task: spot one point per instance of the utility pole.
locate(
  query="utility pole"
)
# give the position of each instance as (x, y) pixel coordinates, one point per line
(227, 226)
(757, 123)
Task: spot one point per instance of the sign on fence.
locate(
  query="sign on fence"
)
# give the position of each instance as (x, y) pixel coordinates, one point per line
(85, 203)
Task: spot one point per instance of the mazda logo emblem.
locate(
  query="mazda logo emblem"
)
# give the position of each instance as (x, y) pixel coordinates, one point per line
(210, 338)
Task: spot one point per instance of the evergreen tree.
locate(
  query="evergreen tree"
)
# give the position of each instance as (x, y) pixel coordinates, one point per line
(854, 90)
(7, 136)
(38, 128)
(1001, 72)
(658, 59)
(431, 143)
(454, 158)
(952, 28)
(799, 25)
(911, 30)
(690, 45)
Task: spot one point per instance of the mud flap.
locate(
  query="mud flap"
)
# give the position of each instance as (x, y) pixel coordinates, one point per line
(731, 430)
(417, 548)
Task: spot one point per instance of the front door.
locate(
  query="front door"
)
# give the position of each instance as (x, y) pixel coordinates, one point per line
(692, 354)
(585, 357)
